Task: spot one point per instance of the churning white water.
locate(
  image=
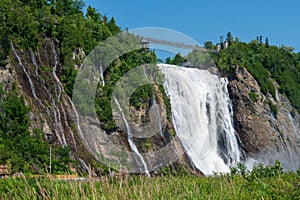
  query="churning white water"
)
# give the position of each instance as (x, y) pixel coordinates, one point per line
(202, 117)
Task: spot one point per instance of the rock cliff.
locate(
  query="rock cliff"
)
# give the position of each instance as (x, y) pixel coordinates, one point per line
(36, 75)
(268, 127)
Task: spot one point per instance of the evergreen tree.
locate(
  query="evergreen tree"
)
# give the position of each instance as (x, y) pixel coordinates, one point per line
(78, 5)
(177, 60)
(229, 38)
(92, 14)
(267, 42)
(113, 27)
(208, 45)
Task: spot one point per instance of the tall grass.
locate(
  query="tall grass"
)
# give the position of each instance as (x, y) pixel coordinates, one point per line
(284, 185)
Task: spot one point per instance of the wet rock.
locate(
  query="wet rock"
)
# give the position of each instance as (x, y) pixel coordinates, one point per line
(259, 130)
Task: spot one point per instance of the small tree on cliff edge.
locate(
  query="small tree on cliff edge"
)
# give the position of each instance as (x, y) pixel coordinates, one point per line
(267, 42)
(229, 38)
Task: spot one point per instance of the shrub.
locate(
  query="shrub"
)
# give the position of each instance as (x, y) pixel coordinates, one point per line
(273, 108)
(253, 96)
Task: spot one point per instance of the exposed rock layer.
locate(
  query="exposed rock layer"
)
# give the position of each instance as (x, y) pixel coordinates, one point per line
(264, 135)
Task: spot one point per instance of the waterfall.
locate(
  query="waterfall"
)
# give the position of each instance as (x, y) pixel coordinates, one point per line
(130, 140)
(77, 120)
(60, 86)
(60, 89)
(202, 117)
(69, 128)
(34, 63)
(101, 74)
(61, 140)
(27, 75)
(56, 112)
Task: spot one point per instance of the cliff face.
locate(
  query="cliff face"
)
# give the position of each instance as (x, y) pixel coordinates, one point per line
(37, 76)
(266, 134)
(52, 111)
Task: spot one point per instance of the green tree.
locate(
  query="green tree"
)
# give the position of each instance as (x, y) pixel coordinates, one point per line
(113, 27)
(208, 45)
(266, 63)
(25, 151)
(177, 60)
(229, 38)
(267, 42)
(78, 5)
(92, 14)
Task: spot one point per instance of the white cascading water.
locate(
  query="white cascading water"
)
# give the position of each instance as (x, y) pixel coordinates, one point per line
(57, 118)
(60, 86)
(34, 63)
(101, 74)
(25, 71)
(202, 117)
(130, 140)
(62, 141)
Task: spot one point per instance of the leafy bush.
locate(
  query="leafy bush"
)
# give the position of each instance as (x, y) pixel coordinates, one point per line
(253, 96)
(273, 108)
(20, 149)
(259, 171)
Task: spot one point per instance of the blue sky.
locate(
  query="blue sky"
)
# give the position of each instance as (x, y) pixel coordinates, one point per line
(209, 19)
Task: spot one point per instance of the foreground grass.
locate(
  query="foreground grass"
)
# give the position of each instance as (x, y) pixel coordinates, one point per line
(282, 186)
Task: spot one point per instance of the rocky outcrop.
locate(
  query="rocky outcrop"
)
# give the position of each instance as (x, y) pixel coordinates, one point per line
(266, 134)
(36, 75)
(7, 79)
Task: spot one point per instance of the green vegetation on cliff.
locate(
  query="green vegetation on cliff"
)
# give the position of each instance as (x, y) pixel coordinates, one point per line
(267, 64)
(20, 149)
(116, 70)
(26, 22)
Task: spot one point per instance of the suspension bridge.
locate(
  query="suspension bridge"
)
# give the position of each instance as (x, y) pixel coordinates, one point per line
(147, 40)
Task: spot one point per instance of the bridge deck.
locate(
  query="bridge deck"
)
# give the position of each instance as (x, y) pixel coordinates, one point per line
(177, 44)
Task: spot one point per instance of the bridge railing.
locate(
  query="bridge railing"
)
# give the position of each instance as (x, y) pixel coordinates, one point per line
(177, 44)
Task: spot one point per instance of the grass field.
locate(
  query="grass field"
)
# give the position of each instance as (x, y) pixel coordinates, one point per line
(264, 183)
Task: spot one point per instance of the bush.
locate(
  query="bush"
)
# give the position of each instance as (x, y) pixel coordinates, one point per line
(253, 96)
(261, 171)
(273, 108)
